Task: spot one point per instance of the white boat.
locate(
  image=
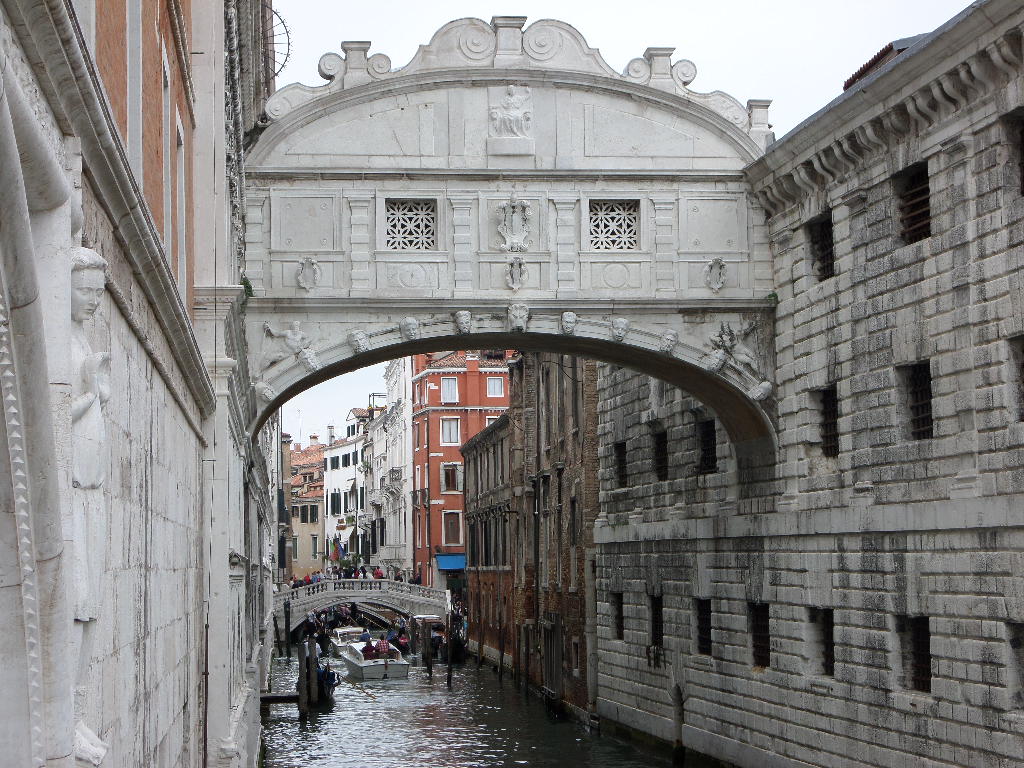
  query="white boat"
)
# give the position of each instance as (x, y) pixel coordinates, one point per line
(342, 636)
(385, 667)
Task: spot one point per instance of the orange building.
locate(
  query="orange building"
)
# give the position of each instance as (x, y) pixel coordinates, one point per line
(454, 396)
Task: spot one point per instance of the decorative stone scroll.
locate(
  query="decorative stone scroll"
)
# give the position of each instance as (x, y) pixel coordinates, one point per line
(518, 317)
(514, 225)
(307, 276)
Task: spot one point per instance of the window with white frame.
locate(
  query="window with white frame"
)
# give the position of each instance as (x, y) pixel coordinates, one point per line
(495, 386)
(490, 420)
(452, 527)
(451, 477)
(410, 225)
(449, 389)
(450, 431)
(614, 225)
(313, 544)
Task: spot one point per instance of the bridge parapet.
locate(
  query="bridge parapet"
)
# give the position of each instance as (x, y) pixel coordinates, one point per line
(400, 596)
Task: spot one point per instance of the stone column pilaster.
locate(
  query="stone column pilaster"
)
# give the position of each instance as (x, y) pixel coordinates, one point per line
(359, 242)
(462, 240)
(567, 273)
(665, 245)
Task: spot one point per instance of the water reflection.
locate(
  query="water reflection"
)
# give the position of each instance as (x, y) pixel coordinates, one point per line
(420, 723)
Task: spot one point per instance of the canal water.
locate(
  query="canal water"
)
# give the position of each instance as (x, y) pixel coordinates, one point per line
(419, 723)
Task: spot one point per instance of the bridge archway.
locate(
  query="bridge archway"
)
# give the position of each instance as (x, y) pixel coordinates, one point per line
(508, 189)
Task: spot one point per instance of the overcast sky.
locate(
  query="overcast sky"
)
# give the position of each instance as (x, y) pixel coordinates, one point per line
(795, 52)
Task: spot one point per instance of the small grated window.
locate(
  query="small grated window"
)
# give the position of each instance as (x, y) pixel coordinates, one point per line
(918, 382)
(708, 439)
(760, 634)
(821, 236)
(659, 453)
(702, 606)
(914, 203)
(621, 465)
(410, 225)
(829, 421)
(614, 225)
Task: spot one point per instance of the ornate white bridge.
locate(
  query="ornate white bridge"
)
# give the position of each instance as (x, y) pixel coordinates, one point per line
(409, 599)
(508, 189)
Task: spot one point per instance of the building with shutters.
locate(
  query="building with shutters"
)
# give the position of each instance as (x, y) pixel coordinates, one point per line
(305, 494)
(454, 396)
(345, 466)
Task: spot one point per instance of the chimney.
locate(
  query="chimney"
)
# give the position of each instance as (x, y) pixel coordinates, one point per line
(330, 434)
(296, 447)
(314, 440)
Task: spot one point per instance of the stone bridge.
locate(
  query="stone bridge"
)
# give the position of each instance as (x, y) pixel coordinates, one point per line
(400, 596)
(508, 189)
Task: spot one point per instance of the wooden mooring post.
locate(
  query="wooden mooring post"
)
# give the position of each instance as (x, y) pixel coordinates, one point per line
(428, 650)
(277, 636)
(314, 667)
(451, 648)
(288, 627)
(303, 681)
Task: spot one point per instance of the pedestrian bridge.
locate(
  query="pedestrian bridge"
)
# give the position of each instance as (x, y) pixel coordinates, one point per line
(400, 596)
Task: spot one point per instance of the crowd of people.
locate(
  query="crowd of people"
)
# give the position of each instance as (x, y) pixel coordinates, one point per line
(349, 572)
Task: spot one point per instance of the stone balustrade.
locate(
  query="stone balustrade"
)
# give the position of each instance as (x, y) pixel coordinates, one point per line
(400, 596)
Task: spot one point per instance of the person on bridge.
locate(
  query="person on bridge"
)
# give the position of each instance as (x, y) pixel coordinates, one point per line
(378, 573)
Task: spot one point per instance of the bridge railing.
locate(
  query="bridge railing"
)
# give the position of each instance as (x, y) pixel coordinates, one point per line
(415, 591)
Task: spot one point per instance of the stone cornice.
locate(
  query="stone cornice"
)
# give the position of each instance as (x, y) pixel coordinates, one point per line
(58, 51)
(266, 306)
(270, 173)
(912, 94)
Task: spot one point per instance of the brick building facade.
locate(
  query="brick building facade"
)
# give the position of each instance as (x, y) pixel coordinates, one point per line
(455, 395)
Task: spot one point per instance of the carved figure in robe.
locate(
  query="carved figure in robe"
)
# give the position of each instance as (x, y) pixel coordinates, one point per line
(512, 117)
(297, 342)
(90, 391)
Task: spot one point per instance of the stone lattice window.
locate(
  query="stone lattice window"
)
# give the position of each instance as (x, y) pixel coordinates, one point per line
(614, 225)
(410, 225)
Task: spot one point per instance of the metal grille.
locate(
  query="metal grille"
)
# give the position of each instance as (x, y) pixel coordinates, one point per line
(919, 400)
(621, 467)
(822, 246)
(920, 654)
(410, 225)
(708, 438)
(614, 225)
(703, 608)
(914, 204)
(760, 634)
(830, 422)
(657, 621)
(659, 440)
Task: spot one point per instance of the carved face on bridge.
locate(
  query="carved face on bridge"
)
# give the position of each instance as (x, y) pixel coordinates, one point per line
(410, 328)
(620, 327)
(88, 281)
(464, 321)
(569, 321)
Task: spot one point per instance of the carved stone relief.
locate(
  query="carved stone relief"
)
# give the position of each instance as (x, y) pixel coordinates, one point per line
(514, 225)
(463, 321)
(409, 328)
(669, 340)
(307, 276)
(568, 322)
(359, 341)
(714, 274)
(620, 327)
(264, 391)
(296, 342)
(518, 317)
(516, 273)
(511, 122)
(728, 345)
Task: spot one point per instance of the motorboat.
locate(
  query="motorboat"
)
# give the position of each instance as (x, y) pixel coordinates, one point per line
(342, 636)
(371, 666)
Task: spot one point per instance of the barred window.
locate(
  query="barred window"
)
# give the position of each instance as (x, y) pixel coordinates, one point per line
(1016, 374)
(614, 225)
(1015, 638)
(659, 453)
(621, 465)
(708, 444)
(823, 621)
(822, 242)
(829, 421)
(916, 650)
(657, 621)
(917, 381)
(914, 203)
(702, 606)
(760, 634)
(410, 225)
(618, 624)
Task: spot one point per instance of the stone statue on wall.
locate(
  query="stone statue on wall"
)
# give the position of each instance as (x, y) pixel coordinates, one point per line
(464, 321)
(297, 342)
(409, 328)
(513, 116)
(569, 322)
(518, 317)
(90, 391)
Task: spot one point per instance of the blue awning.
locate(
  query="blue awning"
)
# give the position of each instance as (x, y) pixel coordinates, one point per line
(450, 562)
